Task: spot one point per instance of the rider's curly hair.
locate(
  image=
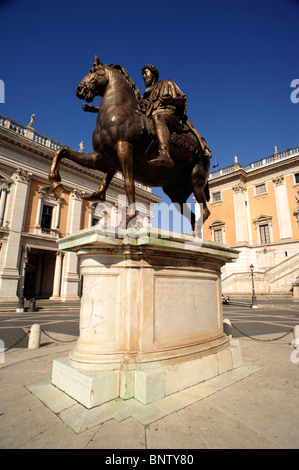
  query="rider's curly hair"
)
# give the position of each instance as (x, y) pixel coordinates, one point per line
(153, 69)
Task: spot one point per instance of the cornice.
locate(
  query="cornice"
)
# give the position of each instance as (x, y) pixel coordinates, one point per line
(237, 176)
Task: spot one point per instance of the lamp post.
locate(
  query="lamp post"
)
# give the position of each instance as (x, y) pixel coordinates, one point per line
(21, 304)
(254, 302)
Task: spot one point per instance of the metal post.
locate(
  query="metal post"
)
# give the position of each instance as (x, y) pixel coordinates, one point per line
(254, 301)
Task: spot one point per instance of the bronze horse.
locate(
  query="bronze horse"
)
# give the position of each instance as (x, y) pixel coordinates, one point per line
(124, 140)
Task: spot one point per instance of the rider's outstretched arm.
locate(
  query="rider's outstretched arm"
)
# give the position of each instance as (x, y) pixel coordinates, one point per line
(90, 109)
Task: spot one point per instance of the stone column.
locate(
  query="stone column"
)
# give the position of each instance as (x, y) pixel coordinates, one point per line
(115, 215)
(91, 208)
(24, 252)
(5, 189)
(240, 214)
(10, 253)
(56, 226)
(71, 278)
(57, 276)
(284, 219)
(39, 211)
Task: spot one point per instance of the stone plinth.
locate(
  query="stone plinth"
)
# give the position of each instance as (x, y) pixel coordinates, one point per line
(151, 316)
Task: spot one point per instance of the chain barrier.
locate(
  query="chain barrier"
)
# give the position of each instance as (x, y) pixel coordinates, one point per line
(15, 344)
(58, 340)
(263, 340)
(27, 333)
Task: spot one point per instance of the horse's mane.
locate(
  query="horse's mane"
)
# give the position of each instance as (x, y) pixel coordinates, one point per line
(129, 80)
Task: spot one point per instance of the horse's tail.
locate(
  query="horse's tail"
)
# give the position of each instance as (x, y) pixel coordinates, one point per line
(200, 174)
(207, 191)
(203, 148)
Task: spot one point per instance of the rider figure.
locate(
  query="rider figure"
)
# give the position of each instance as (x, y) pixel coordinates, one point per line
(167, 105)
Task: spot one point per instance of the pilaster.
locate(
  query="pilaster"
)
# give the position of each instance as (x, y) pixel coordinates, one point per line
(14, 218)
(57, 276)
(241, 223)
(283, 212)
(71, 278)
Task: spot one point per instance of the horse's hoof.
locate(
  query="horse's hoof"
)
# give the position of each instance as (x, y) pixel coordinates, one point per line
(98, 196)
(58, 191)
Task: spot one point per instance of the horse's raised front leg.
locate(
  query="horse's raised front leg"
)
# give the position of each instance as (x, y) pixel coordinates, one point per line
(88, 160)
(125, 155)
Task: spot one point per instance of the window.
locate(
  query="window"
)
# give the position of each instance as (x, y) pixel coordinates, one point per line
(46, 217)
(217, 228)
(218, 236)
(296, 178)
(261, 189)
(264, 229)
(217, 196)
(264, 234)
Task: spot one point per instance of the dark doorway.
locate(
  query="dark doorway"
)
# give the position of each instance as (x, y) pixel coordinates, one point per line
(39, 274)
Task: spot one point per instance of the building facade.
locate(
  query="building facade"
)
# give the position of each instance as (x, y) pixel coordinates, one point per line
(32, 220)
(255, 209)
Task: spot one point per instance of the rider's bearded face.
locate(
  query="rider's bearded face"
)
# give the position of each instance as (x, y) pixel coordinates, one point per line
(148, 77)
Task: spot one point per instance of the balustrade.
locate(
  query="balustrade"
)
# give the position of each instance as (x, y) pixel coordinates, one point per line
(257, 164)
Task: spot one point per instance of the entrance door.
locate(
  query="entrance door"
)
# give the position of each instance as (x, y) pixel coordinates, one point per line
(39, 274)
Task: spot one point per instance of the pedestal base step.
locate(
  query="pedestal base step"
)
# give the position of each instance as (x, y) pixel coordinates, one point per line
(147, 384)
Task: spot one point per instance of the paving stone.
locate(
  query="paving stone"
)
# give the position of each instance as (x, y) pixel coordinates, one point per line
(220, 430)
(24, 426)
(175, 402)
(74, 417)
(60, 436)
(146, 414)
(51, 396)
(128, 434)
(172, 433)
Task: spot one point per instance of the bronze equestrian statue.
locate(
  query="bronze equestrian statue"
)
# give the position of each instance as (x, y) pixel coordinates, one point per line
(149, 139)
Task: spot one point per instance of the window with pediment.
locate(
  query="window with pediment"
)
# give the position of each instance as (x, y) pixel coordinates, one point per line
(217, 228)
(264, 229)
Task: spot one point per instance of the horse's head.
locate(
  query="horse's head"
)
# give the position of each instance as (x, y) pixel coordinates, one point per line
(94, 83)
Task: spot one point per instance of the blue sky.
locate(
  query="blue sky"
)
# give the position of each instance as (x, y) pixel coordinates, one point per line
(234, 60)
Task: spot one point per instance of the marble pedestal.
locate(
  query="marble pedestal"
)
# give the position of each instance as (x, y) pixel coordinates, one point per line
(151, 317)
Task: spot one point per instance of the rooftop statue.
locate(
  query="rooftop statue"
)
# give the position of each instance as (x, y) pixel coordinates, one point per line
(149, 138)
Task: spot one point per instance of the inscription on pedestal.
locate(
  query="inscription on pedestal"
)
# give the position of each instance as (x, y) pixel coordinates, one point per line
(185, 307)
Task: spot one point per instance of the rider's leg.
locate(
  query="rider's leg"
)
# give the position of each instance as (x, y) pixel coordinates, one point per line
(163, 136)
